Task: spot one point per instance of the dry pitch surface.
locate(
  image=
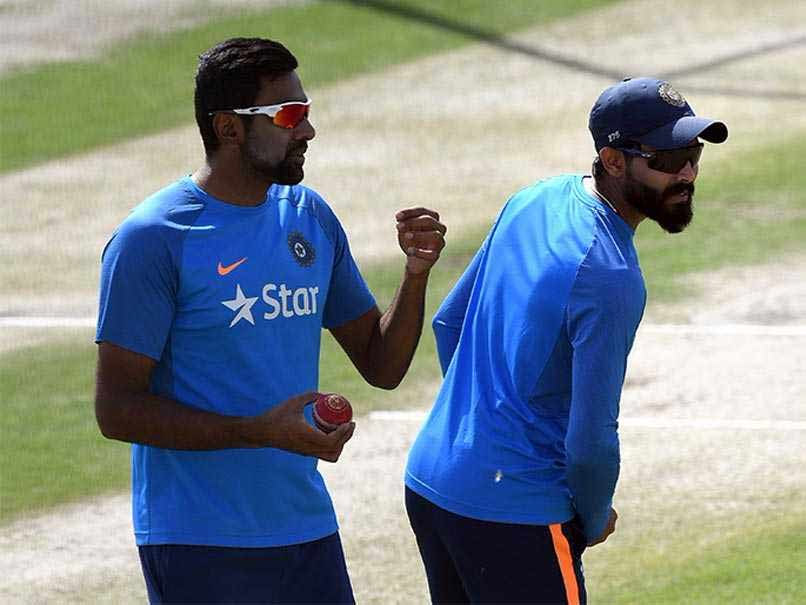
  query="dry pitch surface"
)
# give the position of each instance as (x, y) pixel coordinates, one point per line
(502, 121)
(680, 477)
(475, 126)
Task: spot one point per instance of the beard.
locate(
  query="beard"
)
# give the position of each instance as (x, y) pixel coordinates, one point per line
(672, 217)
(287, 171)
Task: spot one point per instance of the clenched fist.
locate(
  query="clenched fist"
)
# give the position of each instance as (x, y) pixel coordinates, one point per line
(422, 237)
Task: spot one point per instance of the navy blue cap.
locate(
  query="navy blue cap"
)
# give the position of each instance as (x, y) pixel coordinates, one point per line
(651, 112)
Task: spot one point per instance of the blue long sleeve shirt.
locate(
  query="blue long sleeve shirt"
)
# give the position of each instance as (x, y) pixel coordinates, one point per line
(533, 341)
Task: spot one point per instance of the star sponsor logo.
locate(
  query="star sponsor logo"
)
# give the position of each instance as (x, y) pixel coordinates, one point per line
(301, 249)
(282, 301)
(287, 302)
(242, 304)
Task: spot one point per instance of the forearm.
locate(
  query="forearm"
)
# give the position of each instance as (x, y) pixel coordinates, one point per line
(592, 481)
(392, 346)
(381, 346)
(162, 422)
(592, 449)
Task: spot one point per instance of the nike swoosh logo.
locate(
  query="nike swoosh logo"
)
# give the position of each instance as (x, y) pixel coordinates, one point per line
(222, 270)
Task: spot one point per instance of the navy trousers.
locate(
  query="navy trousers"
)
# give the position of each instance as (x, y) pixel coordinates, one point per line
(471, 561)
(313, 572)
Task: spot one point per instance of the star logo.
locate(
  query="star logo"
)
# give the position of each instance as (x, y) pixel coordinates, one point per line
(242, 304)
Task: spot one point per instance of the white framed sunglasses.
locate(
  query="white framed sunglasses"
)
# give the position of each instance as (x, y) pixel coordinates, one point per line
(284, 115)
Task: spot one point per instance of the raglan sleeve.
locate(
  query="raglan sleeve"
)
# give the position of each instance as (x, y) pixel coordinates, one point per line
(138, 290)
(448, 321)
(602, 317)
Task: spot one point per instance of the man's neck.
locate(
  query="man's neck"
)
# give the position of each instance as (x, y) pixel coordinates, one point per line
(611, 196)
(230, 186)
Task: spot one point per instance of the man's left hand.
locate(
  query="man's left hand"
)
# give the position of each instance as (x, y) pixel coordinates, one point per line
(422, 237)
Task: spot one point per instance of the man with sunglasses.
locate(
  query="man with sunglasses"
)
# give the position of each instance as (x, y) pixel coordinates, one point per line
(214, 293)
(513, 474)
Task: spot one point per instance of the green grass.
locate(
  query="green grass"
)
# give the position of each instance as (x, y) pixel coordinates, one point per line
(51, 451)
(146, 85)
(763, 565)
(749, 208)
(336, 371)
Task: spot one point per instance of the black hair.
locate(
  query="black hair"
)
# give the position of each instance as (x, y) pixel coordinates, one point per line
(229, 76)
(597, 169)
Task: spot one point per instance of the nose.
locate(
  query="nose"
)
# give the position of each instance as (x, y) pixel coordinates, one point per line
(688, 173)
(304, 131)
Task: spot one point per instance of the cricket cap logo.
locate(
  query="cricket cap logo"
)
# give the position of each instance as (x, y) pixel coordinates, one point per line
(670, 95)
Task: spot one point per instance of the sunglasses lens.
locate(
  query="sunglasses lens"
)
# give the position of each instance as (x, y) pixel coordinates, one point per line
(291, 115)
(674, 160)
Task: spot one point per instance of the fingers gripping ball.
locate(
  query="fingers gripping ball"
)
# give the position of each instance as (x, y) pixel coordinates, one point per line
(331, 410)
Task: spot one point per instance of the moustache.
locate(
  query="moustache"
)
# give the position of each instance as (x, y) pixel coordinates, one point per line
(297, 148)
(679, 188)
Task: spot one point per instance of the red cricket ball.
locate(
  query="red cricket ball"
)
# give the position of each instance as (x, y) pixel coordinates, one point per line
(331, 410)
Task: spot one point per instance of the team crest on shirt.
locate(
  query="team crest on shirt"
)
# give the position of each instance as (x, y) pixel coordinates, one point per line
(670, 95)
(301, 249)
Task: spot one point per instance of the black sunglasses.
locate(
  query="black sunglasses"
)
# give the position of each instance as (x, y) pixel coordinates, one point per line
(670, 161)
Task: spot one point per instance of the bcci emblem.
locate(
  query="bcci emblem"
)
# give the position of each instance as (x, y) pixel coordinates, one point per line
(301, 249)
(670, 95)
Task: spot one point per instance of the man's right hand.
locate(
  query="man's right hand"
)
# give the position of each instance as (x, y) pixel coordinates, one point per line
(284, 426)
(609, 528)
(126, 410)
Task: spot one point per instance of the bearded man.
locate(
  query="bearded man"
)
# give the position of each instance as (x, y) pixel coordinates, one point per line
(513, 474)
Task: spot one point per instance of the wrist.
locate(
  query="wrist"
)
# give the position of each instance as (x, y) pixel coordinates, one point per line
(421, 277)
(247, 432)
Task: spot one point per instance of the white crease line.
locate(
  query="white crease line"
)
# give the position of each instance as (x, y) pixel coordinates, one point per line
(723, 329)
(671, 329)
(712, 423)
(47, 322)
(638, 421)
(397, 415)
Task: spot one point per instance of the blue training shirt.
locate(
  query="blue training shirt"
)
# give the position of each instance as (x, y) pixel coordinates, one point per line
(533, 342)
(230, 301)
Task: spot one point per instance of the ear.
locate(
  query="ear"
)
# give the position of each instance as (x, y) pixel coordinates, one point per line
(613, 161)
(229, 129)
